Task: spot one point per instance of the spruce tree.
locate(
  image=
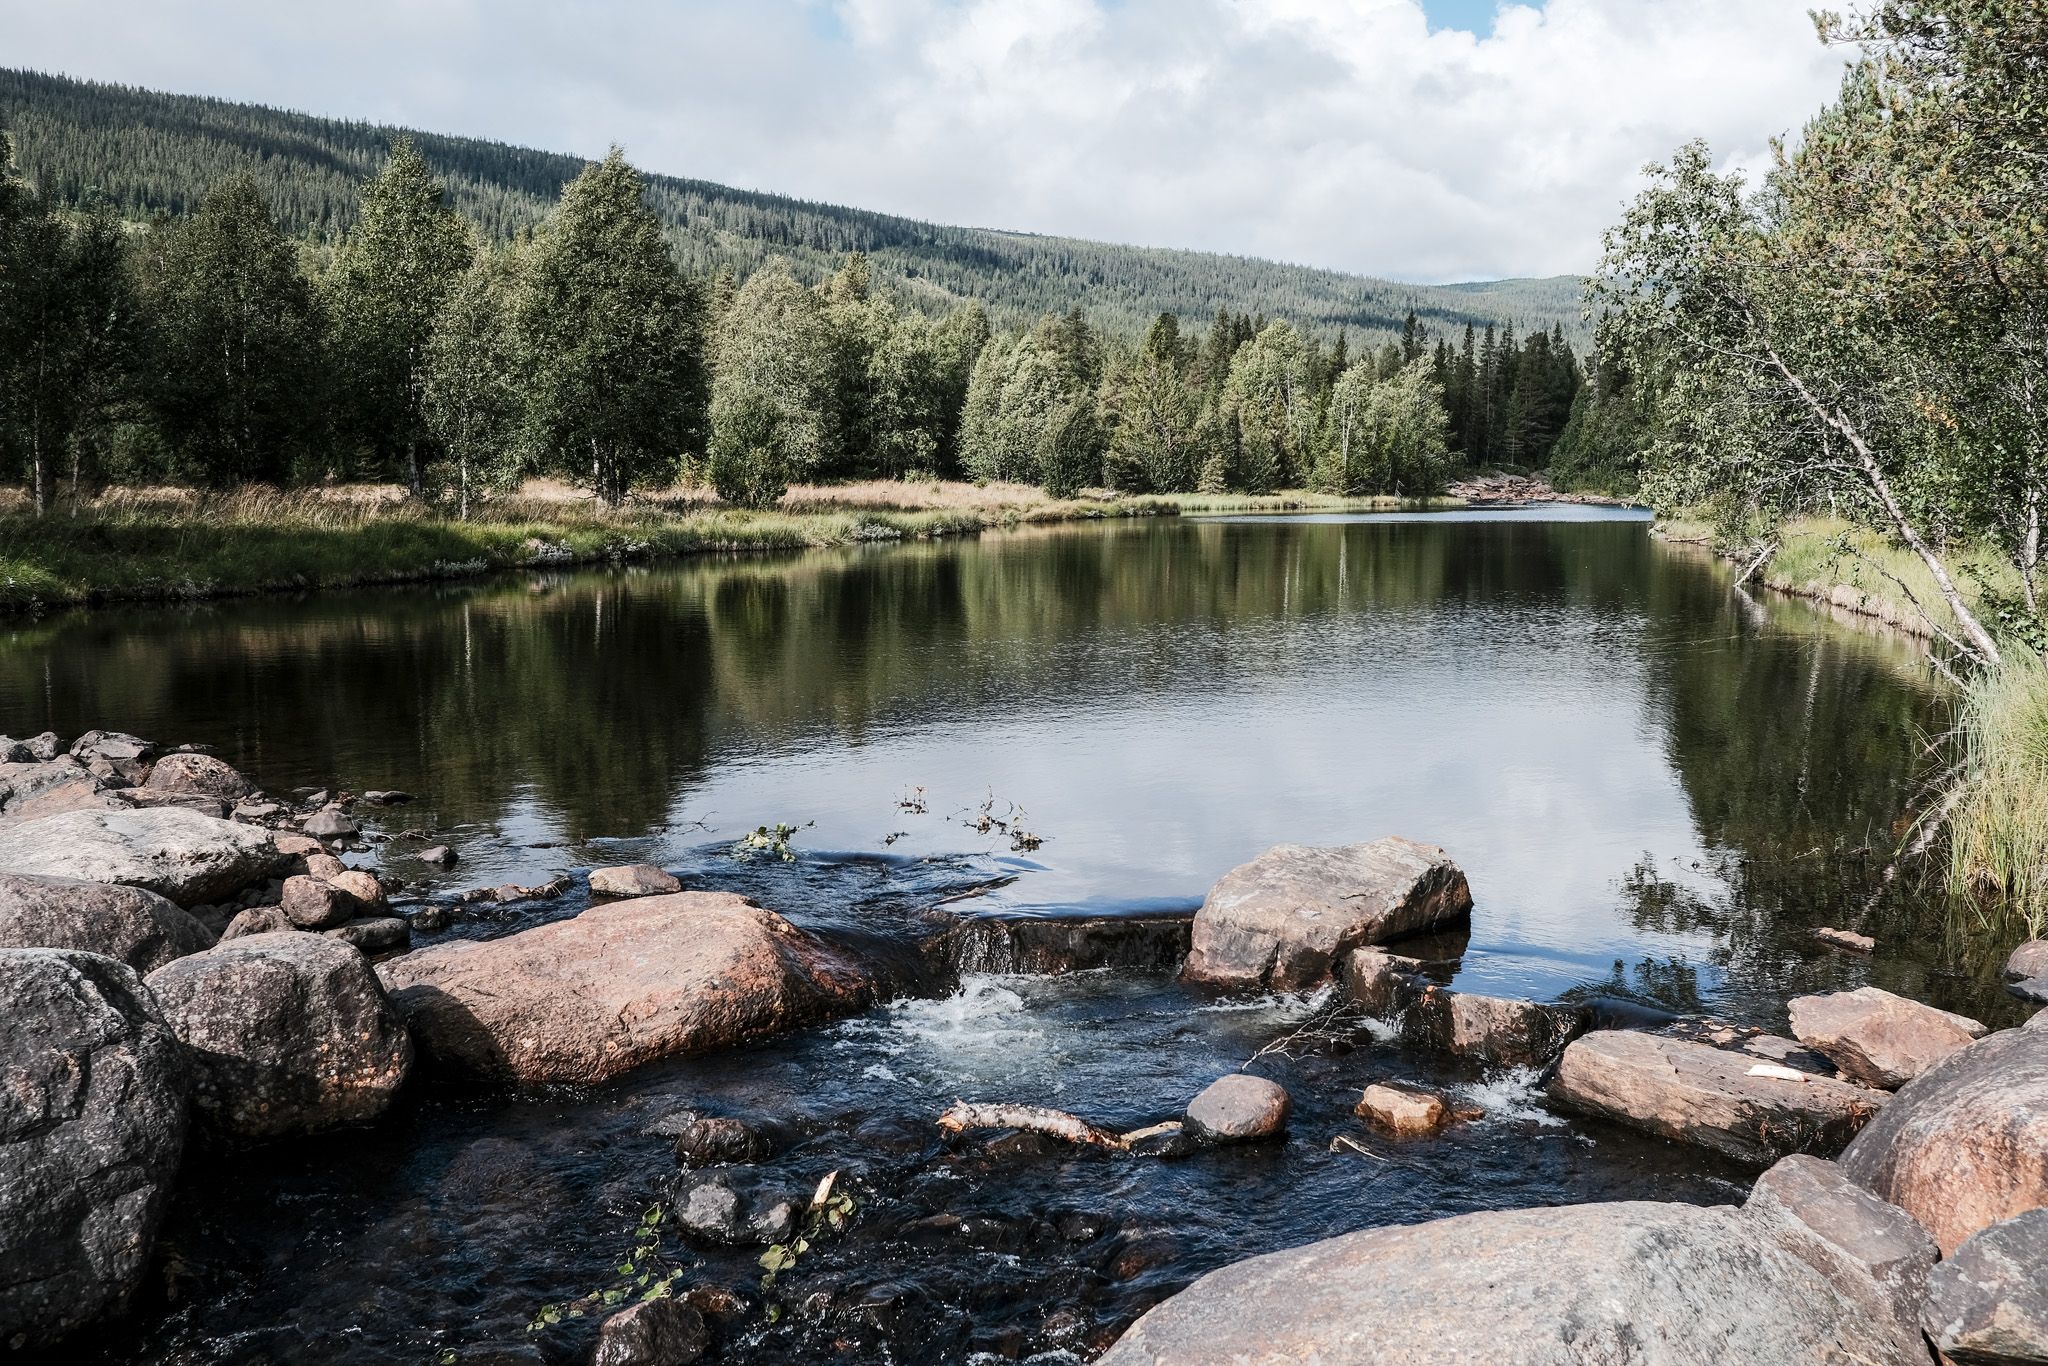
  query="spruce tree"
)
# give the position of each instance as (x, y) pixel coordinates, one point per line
(775, 399)
(470, 387)
(388, 280)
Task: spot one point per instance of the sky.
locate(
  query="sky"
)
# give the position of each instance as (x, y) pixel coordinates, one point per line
(1420, 140)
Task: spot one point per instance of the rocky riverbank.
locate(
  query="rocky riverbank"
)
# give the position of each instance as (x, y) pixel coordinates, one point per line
(196, 965)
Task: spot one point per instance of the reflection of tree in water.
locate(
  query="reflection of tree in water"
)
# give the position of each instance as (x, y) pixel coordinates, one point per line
(1667, 983)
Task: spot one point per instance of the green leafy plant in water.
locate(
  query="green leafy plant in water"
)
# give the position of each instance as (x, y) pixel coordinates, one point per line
(831, 1208)
(640, 1278)
(771, 839)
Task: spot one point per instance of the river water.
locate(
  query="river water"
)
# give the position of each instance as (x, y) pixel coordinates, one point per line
(1657, 784)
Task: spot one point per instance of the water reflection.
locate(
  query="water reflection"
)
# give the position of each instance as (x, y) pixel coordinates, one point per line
(1644, 775)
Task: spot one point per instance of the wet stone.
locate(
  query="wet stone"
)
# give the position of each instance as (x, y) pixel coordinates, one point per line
(739, 1207)
(661, 1332)
(712, 1140)
(1405, 1111)
(1239, 1108)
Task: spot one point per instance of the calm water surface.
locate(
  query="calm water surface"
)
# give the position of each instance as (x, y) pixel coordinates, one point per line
(1657, 785)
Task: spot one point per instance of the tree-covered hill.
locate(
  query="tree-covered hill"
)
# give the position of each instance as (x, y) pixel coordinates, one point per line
(156, 153)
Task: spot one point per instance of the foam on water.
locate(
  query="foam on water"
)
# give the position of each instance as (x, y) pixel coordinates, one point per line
(1513, 1095)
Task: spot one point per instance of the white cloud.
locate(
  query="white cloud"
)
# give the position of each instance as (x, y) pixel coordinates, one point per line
(1335, 132)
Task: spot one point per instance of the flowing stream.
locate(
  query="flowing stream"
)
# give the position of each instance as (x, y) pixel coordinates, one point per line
(1658, 786)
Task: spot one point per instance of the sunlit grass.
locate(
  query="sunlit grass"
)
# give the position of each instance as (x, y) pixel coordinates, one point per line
(1998, 835)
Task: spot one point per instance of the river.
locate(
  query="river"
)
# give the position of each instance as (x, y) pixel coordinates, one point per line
(1657, 784)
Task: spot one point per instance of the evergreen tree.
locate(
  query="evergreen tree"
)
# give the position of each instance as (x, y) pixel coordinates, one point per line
(387, 282)
(612, 335)
(1269, 396)
(776, 394)
(1154, 410)
(235, 345)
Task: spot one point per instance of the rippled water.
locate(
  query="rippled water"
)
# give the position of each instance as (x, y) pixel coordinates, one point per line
(1657, 785)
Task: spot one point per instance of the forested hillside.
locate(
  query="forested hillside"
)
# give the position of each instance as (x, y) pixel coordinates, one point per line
(156, 153)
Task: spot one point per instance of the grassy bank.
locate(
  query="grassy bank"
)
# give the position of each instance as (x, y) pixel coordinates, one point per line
(171, 545)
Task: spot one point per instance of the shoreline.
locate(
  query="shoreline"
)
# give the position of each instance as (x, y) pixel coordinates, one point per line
(172, 552)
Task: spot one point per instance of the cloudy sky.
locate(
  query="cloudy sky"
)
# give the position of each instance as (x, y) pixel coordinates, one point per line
(1425, 140)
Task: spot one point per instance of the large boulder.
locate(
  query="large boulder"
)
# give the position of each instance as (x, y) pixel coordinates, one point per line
(197, 774)
(622, 984)
(1874, 1253)
(1709, 1097)
(289, 1033)
(1641, 1282)
(180, 854)
(1988, 1304)
(92, 1125)
(1285, 918)
(1964, 1144)
(140, 928)
(1877, 1038)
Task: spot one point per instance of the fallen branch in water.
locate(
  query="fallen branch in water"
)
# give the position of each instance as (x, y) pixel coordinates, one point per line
(1033, 1118)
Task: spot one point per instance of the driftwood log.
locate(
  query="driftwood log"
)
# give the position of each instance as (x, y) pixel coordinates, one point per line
(1033, 1118)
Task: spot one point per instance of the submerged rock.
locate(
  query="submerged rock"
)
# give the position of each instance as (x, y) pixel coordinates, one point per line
(1964, 1144)
(288, 1034)
(1989, 1303)
(1284, 919)
(1239, 1108)
(1708, 1096)
(1675, 1285)
(92, 1126)
(138, 927)
(622, 984)
(175, 853)
(1875, 1254)
(1056, 944)
(739, 1207)
(710, 1140)
(633, 879)
(1877, 1038)
(660, 1332)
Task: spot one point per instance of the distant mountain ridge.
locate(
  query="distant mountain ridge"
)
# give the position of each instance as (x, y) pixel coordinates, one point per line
(155, 153)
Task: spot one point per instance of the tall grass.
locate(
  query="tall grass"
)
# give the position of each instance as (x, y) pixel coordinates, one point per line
(1998, 834)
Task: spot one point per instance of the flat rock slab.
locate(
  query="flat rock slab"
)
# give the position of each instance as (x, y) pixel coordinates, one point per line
(1989, 1302)
(1964, 1145)
(1284, 919)
(179, 854)
(1642, 1282)
(137, 927)
(1705, 1096)
(1873, 1253)
(620, 985)
(92, 1126)
(1877, 1038)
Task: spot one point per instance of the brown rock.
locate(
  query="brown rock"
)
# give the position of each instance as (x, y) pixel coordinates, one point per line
(633, 879)
(197, 774)
(1847, 939)
(1238, 1109)
(138, 928)
(1964, 1144)
(1988, 1304)
(1634, 1284)
(298, 846)
(1706, 1096)
(332, 823)
(288, 1033)
(363, 886)
(1506, 1033)
(1874, 1253)
(324, 865)
(2028, 960)
(621, 984)
(1285, 918)
(256, 920)
(1385, 983)
(1877, 1038)
(657, 1333)
(310, 904)
(374, 934)
(1408, 1111)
